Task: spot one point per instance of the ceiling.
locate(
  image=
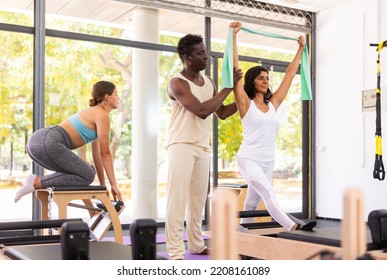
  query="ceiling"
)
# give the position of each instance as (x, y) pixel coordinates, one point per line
(307, 5)
(119, 12)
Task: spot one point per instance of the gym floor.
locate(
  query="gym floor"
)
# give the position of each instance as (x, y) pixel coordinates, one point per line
(161, 247)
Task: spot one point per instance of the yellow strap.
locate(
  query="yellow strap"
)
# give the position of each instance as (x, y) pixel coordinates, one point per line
(380, 46)
(378, 145)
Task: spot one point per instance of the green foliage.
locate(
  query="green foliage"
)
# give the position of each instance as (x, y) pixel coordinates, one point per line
(15, 84)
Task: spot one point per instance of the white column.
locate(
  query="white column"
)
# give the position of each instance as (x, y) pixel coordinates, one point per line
(145, 115)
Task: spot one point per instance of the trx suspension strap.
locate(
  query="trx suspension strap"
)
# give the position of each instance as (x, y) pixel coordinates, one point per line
(379, 172)
(227, 65)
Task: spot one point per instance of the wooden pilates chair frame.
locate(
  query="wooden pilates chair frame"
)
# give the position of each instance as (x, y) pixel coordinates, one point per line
(263, 243)
(266, 247)
(223, 228)
(258, 245)
(63, 199)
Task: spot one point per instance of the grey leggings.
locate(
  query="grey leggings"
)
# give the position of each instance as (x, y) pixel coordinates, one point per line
(51, 148)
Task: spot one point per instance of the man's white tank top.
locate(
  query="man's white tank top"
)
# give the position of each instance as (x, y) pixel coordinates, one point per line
(259, 133)
(186, 127)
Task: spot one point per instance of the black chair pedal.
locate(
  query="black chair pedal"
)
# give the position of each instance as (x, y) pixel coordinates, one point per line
(117, 205)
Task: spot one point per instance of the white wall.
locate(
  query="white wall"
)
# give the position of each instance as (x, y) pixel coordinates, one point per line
(345, 137)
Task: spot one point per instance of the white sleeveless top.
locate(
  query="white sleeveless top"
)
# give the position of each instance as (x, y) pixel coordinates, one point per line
(186, 127)
(259, 133)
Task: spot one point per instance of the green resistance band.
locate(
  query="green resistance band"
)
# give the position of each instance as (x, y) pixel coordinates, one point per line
(227, 65)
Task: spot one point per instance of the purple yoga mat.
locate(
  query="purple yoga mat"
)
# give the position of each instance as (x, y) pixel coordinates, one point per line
(160, 238)
(187, 256)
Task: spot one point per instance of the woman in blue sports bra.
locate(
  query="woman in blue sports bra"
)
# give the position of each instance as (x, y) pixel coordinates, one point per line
(257, 107)
(52, 147)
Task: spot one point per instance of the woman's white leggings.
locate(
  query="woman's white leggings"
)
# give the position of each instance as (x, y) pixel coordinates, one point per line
(258, 175)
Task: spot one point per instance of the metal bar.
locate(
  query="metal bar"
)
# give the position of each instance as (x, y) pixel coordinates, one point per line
(35, 224)
(108, 40)
(228, 15)
(85, 207)
(38, 86)
(253, 213)
(309, 146)
(16, 28)
(29, 240)
(375, 45)
(207, 42)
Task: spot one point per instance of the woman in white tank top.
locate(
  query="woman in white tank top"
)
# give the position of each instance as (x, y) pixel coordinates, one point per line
(257, 107)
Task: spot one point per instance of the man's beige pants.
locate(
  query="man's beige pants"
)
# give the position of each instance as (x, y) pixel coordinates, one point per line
(188, 179)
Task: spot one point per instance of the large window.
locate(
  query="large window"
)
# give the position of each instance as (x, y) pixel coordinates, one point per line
(16, 86)
(82, 48)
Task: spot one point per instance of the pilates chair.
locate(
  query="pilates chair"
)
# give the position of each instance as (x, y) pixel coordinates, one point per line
(63, 195)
